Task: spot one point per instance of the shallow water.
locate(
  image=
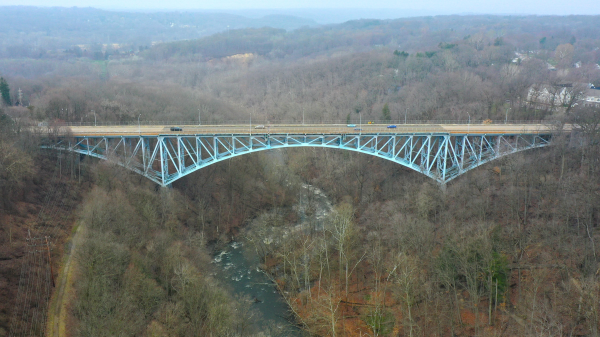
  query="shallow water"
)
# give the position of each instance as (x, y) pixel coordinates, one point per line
(238, 268)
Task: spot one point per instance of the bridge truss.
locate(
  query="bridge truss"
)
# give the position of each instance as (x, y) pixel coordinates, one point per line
(166, 158)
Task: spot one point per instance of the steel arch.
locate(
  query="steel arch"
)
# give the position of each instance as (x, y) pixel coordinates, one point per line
(166, 158)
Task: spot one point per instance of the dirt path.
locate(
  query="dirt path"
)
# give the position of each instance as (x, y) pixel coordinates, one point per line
(57, 311)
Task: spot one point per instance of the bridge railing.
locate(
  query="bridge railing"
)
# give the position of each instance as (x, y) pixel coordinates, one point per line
(299, 123)
(224, 130)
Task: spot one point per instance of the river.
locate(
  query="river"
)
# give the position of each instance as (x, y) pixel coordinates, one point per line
(238, 267)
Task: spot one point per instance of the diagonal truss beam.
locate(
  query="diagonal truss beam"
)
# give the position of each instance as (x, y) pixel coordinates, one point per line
(166, 158)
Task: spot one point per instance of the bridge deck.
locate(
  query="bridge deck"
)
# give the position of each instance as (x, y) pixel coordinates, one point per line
(154, 130)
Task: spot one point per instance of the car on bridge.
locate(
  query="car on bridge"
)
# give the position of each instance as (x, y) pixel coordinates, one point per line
(259, 127)
(176, 128)
(357, 129)
(351, 125)
(391, 126)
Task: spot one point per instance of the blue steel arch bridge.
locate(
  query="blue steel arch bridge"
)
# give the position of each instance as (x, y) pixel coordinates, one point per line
(164, 154)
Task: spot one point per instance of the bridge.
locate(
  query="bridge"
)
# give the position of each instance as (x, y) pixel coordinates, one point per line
(164, 154)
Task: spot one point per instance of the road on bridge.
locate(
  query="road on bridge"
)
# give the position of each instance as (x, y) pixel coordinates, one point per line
(154, 130)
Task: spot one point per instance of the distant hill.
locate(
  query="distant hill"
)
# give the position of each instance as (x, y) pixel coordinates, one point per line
(411, 34)
(65, 33)
(59, 27)
(337, 15)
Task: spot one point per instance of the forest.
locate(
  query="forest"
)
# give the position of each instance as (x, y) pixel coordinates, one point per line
(58, 32)
(508, 249)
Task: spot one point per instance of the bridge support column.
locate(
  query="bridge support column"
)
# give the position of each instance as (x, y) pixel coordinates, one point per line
(462, 152)
(163, 160)
(216, 147)
(180, 161)
(446, 142)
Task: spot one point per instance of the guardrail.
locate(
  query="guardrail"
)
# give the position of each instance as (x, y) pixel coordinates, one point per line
(307, 130)
(295, 122)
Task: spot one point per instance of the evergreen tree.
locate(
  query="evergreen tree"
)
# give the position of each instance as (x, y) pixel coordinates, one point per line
(401, 53)
(5, 91)
(386, 113)
(6, 124)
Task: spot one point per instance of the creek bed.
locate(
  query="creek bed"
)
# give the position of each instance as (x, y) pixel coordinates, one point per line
(238, 266)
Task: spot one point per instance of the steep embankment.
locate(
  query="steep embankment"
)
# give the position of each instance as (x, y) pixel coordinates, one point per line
(42, 207)
(141, 267)
(510, 247)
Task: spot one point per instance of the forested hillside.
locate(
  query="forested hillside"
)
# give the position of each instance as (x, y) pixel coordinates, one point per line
(55, 32)
(508, 249)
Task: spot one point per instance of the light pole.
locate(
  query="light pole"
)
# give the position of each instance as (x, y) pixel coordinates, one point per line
(139, 126)
(94, 117)
(469, 125)
(405, 114)
(359, 122)
(199, 123)
(506, 113)
(302, 115)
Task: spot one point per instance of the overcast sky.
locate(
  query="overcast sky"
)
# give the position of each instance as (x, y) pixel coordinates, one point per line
(556, 7)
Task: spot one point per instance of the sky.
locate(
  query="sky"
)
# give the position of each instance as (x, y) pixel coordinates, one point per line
(427, 7)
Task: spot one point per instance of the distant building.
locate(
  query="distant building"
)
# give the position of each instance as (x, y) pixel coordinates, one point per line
(591, 98)
(563, 94)
(549, 95)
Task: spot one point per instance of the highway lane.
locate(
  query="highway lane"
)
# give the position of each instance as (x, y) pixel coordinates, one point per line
(309, 129)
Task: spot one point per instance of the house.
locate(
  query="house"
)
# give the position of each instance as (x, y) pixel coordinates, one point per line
(549, 95)
(519, 57)
(591, 97)
(563, 94)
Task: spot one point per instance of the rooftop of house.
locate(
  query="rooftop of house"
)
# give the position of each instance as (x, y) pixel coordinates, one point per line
(592, 93)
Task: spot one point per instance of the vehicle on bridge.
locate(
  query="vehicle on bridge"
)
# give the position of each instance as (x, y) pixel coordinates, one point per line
(259, 127)
(391, 126)
(351, 125)
(176, 128)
